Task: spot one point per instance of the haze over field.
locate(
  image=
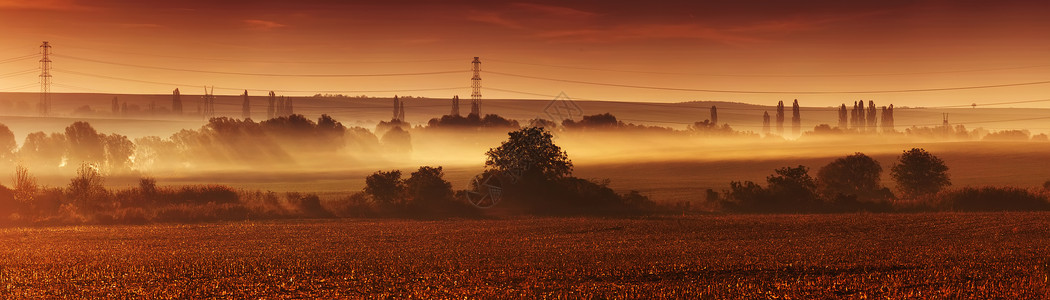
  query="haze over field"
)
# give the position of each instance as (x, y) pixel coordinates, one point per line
(524, 149)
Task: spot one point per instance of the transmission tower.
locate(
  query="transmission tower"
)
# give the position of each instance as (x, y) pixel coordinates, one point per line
(45, 79)
(475, 85)
(208, 103)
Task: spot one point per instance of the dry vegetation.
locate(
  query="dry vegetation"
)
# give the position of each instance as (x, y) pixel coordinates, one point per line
(940, 255)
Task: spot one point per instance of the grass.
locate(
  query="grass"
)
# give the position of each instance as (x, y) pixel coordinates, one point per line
(935, 255)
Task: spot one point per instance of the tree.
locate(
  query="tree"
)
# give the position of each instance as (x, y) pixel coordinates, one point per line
(855, 175)
(427, 186)
(26, 187)
(918, 172)
(397, 140)
(85, 144)
(793, 185)
(780, 118)
(7, 144)
(530, 151)
(43, 150)
(385, 187)
(87, 190)
(796, 119)
(118, 152)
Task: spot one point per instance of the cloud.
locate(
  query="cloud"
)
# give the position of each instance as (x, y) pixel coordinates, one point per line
(42, 5)
(654, 31)
(494, 18)
(140, 25)
(263, 24)
(558, 11)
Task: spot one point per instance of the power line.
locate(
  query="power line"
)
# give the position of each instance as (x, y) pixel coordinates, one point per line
(17, 73)
(769, 92)
(675, 105)
(275, 62)
(262, 74)
(19, 87)
(769, 75)
(14, 59)
(990, 104)
(83, 88)
(255, 90)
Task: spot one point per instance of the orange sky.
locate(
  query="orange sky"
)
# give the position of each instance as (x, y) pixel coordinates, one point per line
(781, 48)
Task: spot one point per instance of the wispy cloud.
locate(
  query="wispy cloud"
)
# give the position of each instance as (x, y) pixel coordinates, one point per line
(493, 18)
(140, 25)
(42, 5)
(263, 24)
(558, 11)
(647, 31)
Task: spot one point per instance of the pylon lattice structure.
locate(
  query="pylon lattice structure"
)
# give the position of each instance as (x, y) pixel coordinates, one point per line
(45, 79)
(475, 86)
(208, 103)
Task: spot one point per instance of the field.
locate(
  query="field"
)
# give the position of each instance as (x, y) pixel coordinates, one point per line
(943, 255)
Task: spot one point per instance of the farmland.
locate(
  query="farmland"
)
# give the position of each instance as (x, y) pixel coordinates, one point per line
(974, 255)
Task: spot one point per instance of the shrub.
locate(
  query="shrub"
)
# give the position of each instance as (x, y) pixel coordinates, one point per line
(87, 190)
(991, 199)
(385, 187)
(307, 205)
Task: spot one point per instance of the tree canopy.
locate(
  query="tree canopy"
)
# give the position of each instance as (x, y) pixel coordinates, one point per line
(918, 172)
(530, 151)
(855, 175)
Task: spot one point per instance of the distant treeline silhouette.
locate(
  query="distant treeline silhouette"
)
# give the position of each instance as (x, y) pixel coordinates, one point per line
(852, 183)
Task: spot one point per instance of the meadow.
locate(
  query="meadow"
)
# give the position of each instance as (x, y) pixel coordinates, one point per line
(931, 255)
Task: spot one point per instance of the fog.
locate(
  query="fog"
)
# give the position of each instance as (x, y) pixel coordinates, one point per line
(332, 155)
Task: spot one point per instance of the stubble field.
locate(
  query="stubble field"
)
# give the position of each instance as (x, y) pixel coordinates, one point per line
(986, 255)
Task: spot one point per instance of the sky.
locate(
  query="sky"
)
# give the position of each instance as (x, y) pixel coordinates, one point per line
(909, 53)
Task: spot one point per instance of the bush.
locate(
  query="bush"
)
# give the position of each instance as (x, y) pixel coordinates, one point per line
(307, 205)
(991, 199)
(87, 190)
(385, 187)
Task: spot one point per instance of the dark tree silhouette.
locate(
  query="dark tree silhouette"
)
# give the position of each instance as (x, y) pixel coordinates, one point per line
(427, 187)
(765, 122)
(386, 188)
(796, 119)
(714, 114)
(887, 119)
(918, 172)
(862, 122)
(176, 102)
(793, 185)
(843, 117)
(872, 121)
(246, 107)
(780, 118)
(855, 175)
(530, 151)
(853, 119)
(7, 145)
(605, 120)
